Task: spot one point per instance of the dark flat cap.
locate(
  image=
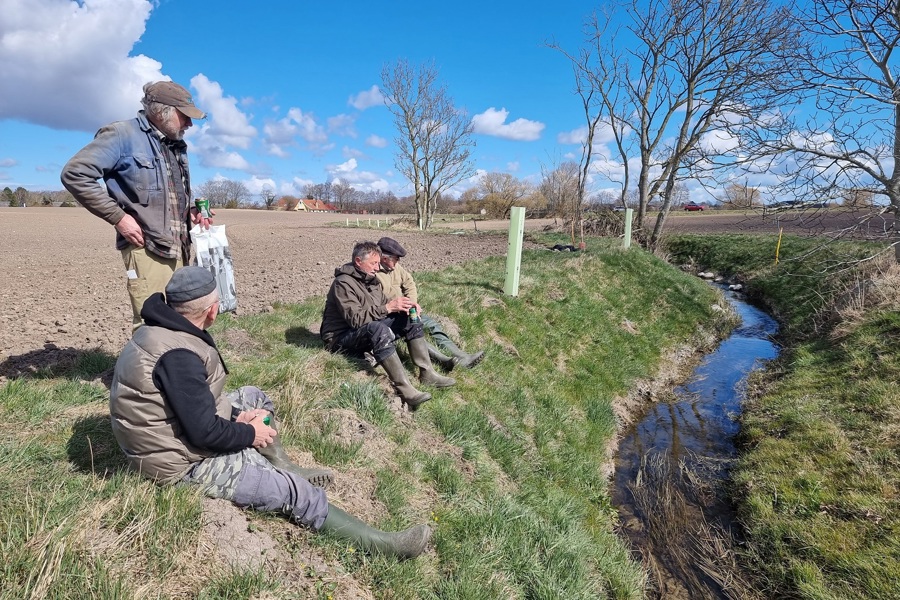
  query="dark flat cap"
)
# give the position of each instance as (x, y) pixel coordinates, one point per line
(172, 94)
(392, 247)
(189, 283)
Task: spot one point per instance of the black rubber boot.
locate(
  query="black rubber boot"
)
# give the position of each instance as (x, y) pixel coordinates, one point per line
(397, 374)
(276, 455)
(418, 351)
(408, 543)
(462, 358)
(437, 357)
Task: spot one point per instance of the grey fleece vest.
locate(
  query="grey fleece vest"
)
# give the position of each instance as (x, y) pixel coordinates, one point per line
(144, 425)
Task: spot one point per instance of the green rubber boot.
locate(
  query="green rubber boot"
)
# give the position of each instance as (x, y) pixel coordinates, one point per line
(439, 358)
(408, 543)
(276, 455)
(463, 359)
(418, 351)
(397, 374)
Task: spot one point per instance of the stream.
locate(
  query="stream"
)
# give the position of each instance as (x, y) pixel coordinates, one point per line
(673, 463)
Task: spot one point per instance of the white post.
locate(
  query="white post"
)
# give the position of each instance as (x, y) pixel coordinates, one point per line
(514, 250)
(627, 242)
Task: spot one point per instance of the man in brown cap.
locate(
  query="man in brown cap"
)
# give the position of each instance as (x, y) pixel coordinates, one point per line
(176, 424)
(147, 193)
(396, 281)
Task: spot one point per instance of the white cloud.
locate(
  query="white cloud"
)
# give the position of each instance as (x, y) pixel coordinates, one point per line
(493, 122)
(376, 141)
(576, 136)
(256, 184)
(351, 152)
(364, 181)
(286, 131)
(226, 124)
(220, 158)
(80, 47)
(603, 134)
(367, 99)
(513, 166)
(8, 162)
(342, 125)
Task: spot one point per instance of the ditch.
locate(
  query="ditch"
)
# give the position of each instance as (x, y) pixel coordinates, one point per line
(673, 464)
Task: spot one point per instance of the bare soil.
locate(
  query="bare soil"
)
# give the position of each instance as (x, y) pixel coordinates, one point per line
(62, 282)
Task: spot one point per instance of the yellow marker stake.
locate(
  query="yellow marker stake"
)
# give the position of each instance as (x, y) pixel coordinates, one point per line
(778, 246)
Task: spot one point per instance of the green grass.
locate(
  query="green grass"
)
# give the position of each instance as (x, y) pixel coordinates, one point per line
(818, 481)
(507, 465)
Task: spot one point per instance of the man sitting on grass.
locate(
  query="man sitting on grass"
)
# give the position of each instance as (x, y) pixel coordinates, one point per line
(359, 318)
(396, 281)
(175, 424)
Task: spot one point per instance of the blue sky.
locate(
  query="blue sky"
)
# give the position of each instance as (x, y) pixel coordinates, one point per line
(290, 86)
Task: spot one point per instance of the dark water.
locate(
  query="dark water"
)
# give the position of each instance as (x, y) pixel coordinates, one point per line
(671, 464)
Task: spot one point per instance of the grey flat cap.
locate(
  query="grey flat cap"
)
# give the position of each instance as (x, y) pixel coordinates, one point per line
(189, 283)
(392, 247)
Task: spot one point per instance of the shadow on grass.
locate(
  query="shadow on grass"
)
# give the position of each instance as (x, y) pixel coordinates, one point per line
(304, 337)
(52, 361)
(93, 447)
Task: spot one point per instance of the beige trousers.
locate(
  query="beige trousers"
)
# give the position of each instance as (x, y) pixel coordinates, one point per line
(147, 274)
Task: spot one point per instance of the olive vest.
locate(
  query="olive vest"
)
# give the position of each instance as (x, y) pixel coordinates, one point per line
(145, 427)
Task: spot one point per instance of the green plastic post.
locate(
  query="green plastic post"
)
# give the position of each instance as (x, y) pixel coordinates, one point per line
(627, 242)
(514, 250)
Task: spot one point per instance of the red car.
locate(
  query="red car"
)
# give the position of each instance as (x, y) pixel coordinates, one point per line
(692, 206)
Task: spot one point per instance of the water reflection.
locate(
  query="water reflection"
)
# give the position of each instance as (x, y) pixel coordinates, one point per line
(671, 462)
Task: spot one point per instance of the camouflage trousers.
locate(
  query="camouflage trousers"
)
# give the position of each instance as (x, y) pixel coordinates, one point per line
(248, 479)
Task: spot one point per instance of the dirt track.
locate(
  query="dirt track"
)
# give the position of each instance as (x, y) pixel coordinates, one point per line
(62, 285)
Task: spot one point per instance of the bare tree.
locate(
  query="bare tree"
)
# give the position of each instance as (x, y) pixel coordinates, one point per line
(224, 193)
(560, 187)
(344, 195)
(672, 72)
(268, 197)
(433, 137)
(858, 198)
(741, 196)
(497, 193)
(849, 139)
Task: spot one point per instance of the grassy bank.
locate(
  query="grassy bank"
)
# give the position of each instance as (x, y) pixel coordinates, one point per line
(507, 465)
(818, 483)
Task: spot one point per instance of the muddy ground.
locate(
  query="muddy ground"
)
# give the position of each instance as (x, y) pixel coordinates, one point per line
(62, 283)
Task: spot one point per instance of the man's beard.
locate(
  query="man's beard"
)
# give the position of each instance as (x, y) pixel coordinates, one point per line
(175, 135)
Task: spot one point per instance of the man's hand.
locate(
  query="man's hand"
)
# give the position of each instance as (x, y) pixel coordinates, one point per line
(401, 304)
(199, 219)
(248, 415)
(131, 231)
(265, 435)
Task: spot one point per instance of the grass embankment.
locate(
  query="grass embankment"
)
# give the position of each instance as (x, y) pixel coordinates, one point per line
(818, 483)
(506, 465)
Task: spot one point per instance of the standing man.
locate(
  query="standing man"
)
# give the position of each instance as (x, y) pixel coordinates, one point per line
(175, 424)
(397, 281)
(359, 318)
(147, 193)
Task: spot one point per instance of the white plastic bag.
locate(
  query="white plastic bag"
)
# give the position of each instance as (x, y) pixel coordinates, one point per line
(211, 252)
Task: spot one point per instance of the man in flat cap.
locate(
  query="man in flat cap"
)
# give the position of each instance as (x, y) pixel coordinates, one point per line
(396, 281)
(359, 318)
(175, 424)
(147, 193)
